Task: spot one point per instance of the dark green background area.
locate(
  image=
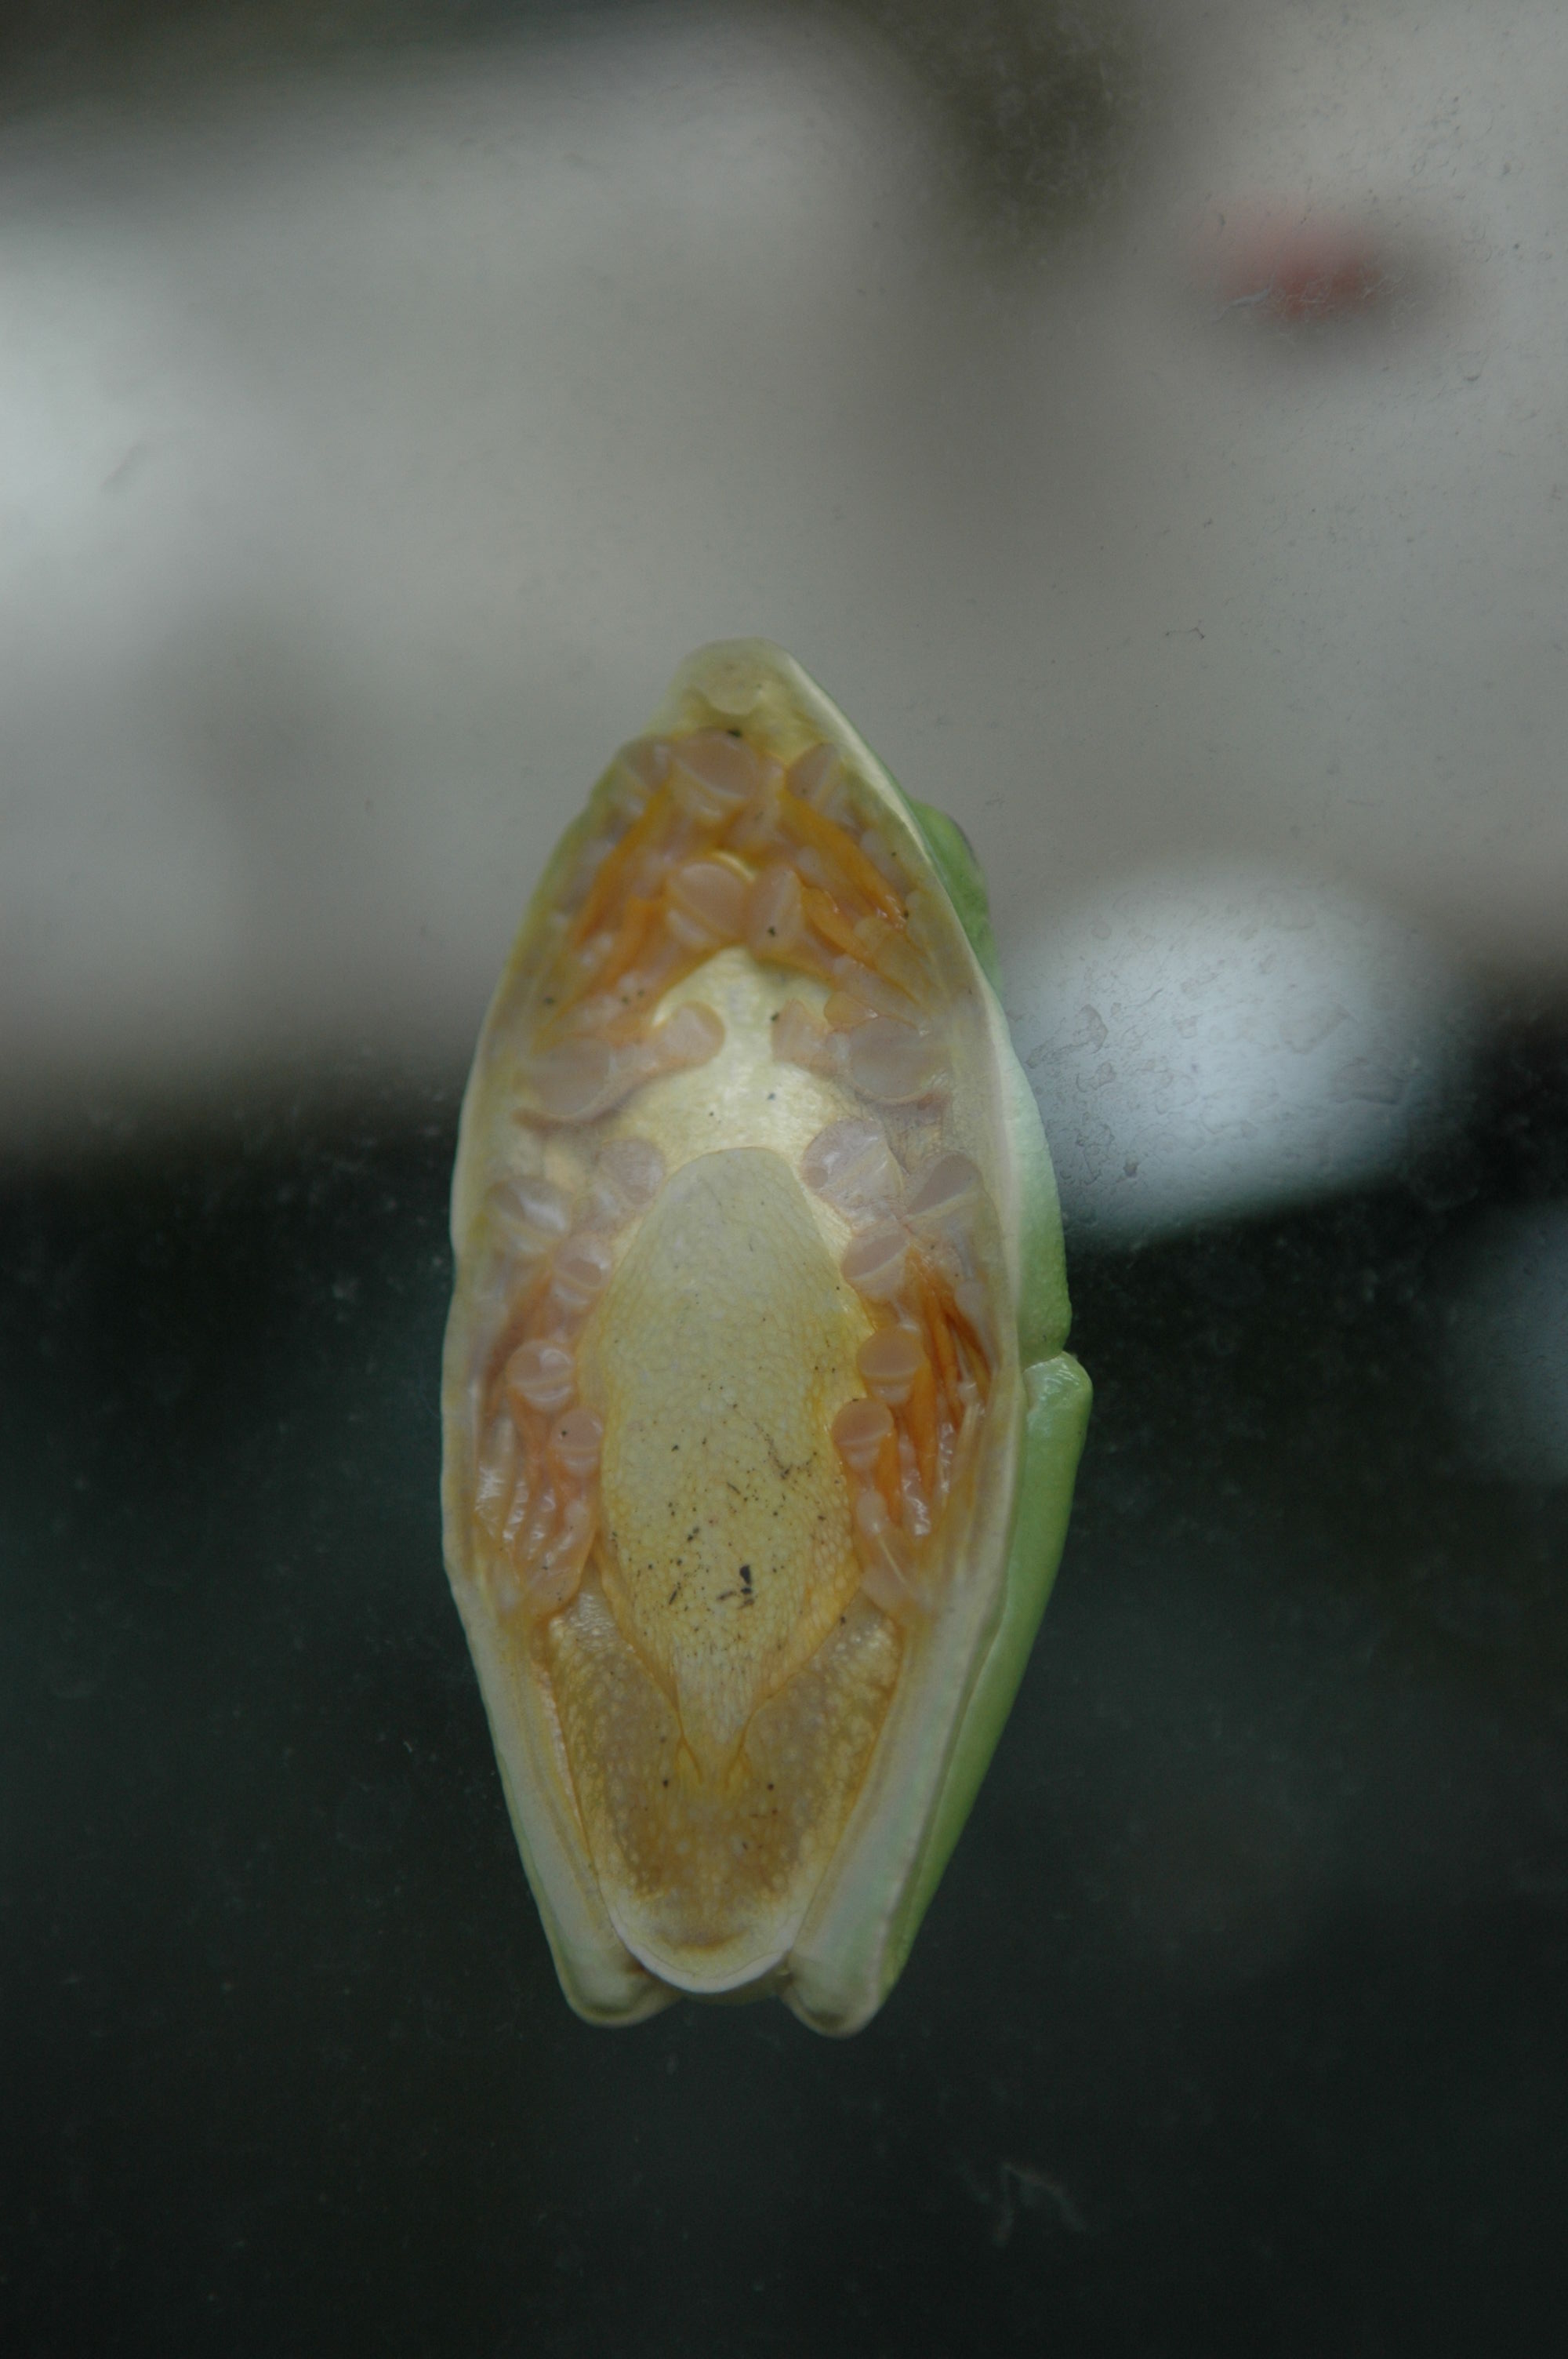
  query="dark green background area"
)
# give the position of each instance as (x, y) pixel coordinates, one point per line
(1237, 2024)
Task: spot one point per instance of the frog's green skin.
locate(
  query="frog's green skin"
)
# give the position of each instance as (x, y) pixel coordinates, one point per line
(859, 1930)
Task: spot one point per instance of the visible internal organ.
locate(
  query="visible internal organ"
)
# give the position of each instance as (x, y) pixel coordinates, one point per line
(719, 846)
(536, 1486)
(926, 1367)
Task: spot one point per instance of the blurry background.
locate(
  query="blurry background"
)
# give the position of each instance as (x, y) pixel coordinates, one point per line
(1149, 423)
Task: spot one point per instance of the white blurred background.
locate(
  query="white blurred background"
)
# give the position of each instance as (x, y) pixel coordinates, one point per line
(1148, 422)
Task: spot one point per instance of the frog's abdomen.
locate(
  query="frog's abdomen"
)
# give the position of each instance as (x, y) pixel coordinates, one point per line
(723, 1351)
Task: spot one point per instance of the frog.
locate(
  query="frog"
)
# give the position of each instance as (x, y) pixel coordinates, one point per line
(760, 1430)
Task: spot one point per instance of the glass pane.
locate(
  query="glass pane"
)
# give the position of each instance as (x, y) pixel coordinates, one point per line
(1147, 422)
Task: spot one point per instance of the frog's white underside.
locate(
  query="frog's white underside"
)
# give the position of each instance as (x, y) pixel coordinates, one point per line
(830, 1935)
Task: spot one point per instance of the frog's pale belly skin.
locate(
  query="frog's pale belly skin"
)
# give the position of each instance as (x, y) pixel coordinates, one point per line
(759, 1436)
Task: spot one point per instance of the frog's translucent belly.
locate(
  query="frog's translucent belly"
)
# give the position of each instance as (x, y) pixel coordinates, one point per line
(723, 1349)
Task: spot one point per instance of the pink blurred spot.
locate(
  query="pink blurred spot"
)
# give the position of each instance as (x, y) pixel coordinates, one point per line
(1315, 267)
